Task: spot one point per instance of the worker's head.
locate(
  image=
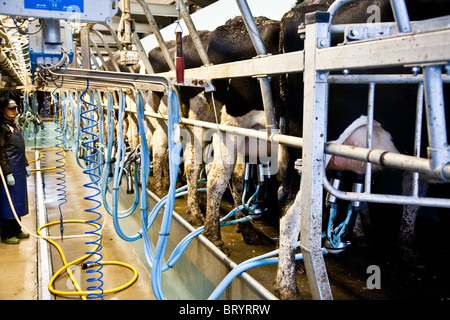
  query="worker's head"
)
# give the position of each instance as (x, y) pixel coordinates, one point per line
(9, 109)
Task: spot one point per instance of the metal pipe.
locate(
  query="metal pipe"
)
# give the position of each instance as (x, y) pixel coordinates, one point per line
(85, 48)
(271, 123)
(418, 137)
(116, 40)
(251, 27)
(401, 15)
(335, 6)
(5, 64)
(398, 8)
(193, 32)
(388, 159)
(142, 54)
(380, 79)
(157, 33)
(114, 35)
(375, 156)
(99, 54)
(369, 138)
(107, 48)
(438, 150)
(385, 198)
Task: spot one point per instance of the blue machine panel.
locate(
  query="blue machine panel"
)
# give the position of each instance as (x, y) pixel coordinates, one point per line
(55, 5)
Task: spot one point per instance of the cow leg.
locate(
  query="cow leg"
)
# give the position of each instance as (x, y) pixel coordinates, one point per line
(199, 109)
(159, 180)
(192, 167)
(217, 184)
(407, 228)
(159, 150)
(218, 179)
(286, 281)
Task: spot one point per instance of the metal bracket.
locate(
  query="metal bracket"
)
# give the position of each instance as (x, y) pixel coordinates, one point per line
(353, 33)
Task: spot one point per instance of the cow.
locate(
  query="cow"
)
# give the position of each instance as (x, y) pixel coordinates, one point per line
(194, 105)
(394, 117)
(240, 102)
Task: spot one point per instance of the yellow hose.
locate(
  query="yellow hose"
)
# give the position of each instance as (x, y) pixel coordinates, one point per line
(66, 266)
(41, 155)
(79, 291)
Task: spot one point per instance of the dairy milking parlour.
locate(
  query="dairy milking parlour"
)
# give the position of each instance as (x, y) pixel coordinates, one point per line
(158, 133)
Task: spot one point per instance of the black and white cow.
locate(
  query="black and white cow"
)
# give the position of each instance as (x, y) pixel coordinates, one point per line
(241, 106)
(347, 105)
(195, 105)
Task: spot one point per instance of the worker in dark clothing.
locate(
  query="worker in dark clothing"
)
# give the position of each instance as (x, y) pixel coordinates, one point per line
(15, 169)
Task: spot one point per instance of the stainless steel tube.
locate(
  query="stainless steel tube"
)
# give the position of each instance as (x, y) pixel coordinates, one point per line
(157, 33)
(258, 43)
(193, 32)
(438, 150)
(401, 15)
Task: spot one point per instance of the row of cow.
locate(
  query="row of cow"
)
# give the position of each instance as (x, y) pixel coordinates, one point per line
(238, 102)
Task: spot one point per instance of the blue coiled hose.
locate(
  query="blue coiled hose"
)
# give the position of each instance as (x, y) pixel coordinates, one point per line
(61, 158)
(92, 166)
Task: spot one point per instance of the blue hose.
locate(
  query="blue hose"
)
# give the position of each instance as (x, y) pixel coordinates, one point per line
(92, 167)
(118, 170)
(251, 263)
(61, 185)
(174, 161)
(248, 204)
(105, 180)
(334, 234)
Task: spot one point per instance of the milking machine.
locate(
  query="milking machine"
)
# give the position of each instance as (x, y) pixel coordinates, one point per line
(337, 236)
(29, 119)
(256, 179)
(107, 173)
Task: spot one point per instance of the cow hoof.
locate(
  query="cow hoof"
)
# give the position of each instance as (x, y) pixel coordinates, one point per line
(412, 259)
(286, 294)
(252, 238)
(222, 247)
(249, 234)
(196, 221)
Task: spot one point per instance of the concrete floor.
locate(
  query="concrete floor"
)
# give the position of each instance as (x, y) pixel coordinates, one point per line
(18, 263)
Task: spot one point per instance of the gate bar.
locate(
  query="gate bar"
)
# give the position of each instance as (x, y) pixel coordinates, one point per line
(266, 92)
(159, 37)
(438, 150)
(193, 32)
(401, 15)
(314, 129)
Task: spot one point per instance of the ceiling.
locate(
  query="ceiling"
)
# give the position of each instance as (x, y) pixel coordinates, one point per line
(164, 11)
(15, 45)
